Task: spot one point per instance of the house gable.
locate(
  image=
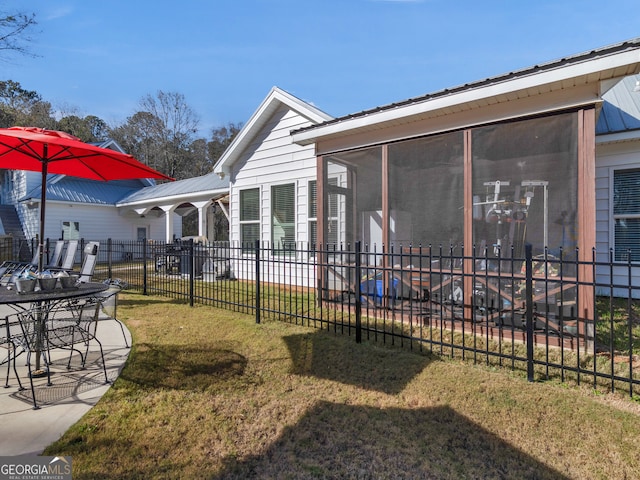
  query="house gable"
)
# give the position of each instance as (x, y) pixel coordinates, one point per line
(276, 99)
(263, 156)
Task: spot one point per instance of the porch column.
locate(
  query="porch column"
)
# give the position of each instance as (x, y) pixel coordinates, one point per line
(468, 266)
(202, 223)
(586, 224)
(168, 221)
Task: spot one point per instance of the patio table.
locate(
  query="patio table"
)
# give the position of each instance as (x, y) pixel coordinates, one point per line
(41, 301)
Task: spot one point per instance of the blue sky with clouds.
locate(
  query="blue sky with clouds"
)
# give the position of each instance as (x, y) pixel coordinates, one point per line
(343, 56)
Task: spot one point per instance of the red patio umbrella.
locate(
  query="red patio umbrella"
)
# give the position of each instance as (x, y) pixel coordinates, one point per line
(50, 151)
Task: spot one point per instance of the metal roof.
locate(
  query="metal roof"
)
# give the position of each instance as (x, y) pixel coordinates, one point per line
(79, 190)
(621, 107)
(203, 184)
(600, 64)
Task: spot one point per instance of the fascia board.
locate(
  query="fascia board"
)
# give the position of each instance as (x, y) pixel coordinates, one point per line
(627, 136)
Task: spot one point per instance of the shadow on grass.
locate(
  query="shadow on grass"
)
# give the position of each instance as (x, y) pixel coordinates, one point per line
(355, 442)
(186, 367)
(347, 441)
(382, 369)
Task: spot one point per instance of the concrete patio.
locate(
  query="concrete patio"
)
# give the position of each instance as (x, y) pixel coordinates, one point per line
(25, 431)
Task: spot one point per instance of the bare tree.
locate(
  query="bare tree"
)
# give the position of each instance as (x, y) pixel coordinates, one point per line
(221, 138)
(139, 137)
(174, 131)
(14, 29)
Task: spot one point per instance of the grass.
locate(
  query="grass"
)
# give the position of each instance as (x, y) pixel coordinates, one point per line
(618, 325)
(208, 393)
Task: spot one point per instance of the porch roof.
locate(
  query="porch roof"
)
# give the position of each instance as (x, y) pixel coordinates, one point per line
(603, 67)
(204, 185)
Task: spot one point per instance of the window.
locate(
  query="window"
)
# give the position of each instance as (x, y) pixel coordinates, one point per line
(70, 230)
(313, 214)
(332, 235)
(283, 215)
(249, 217)
(626, 215)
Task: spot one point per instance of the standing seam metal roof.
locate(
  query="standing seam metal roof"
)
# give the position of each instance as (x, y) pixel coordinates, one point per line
(204, 183)
(621, 107)
(574, 59)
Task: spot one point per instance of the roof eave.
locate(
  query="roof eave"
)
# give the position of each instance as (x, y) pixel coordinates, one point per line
(591, 70)
(618, 137)
(183, 197)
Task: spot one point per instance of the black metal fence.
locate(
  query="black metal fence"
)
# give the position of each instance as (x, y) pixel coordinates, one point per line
(560, 316)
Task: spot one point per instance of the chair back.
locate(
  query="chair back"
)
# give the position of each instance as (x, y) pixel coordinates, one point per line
(36, 256)
(29, 333)
(56, 257)
(109, 301)
(70, 255)
(89, 262)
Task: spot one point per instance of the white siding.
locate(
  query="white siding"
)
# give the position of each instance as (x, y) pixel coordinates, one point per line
(608, 159)
(272, 159)
(97, 222)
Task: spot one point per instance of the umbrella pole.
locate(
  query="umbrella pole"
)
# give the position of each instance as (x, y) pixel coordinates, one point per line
(43, 197)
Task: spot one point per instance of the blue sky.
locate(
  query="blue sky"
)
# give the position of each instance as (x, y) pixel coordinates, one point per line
(343, 56)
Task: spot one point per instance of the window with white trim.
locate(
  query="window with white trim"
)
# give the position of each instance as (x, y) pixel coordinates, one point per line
(70, 230)
(626, 214)
(249, 217)
(283, 217)
(313, 214)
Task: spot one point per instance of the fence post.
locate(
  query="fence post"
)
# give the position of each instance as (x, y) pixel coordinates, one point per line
(257, 249)
(109, 258)
(144, 266)
(358, 293)
(529, 308)
(192, 269)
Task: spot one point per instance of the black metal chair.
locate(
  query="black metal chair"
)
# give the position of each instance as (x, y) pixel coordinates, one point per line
(9, 330)
(30, 338)
(68, 326)
(109, 307)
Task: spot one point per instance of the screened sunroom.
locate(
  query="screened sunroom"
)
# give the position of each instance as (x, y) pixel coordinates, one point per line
(433, 214)
(475, 201)
(495, 187)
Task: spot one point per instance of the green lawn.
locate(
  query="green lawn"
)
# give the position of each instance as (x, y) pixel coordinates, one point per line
(208, 393)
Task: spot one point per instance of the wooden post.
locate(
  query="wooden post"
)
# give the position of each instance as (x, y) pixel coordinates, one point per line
(468, 266)
(587, 222)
